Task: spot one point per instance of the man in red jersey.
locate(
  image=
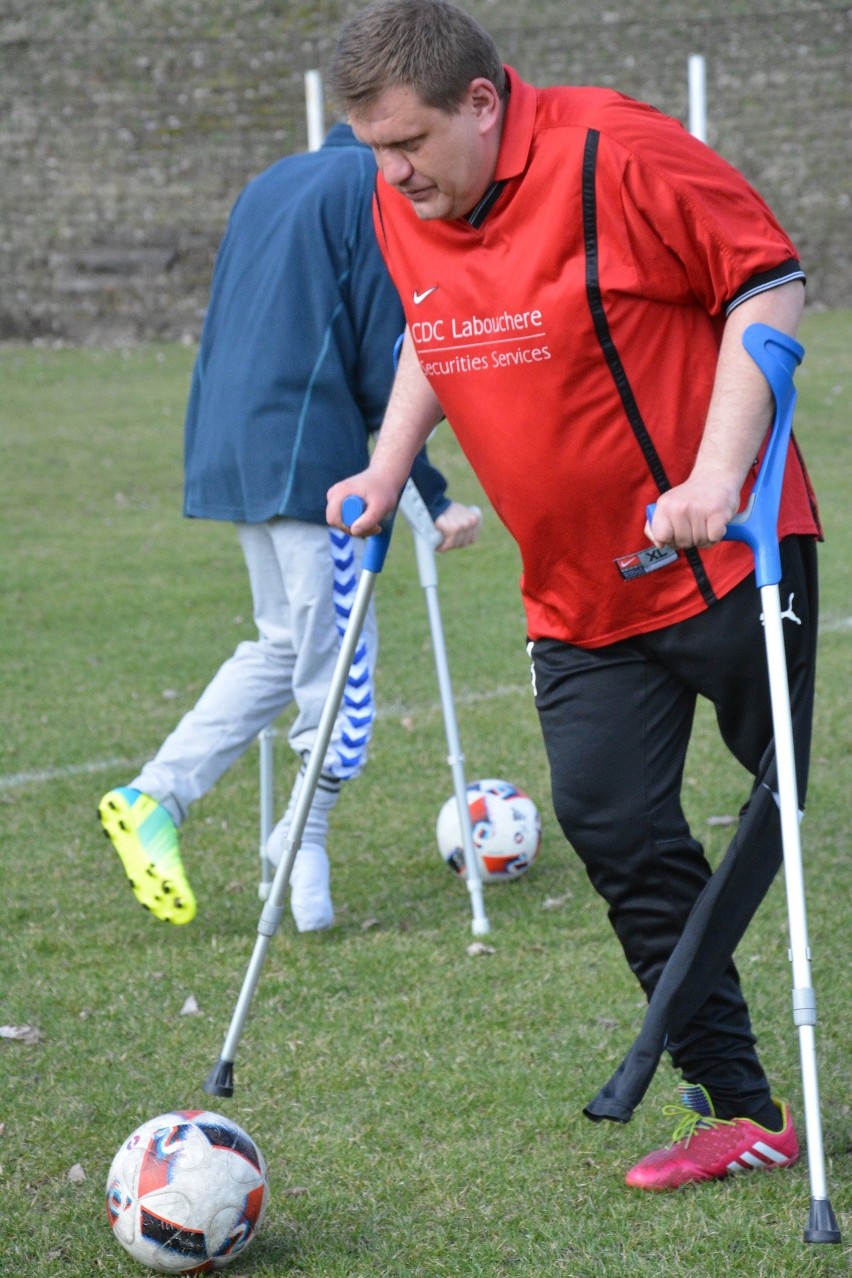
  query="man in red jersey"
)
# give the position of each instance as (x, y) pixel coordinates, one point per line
(577, 273)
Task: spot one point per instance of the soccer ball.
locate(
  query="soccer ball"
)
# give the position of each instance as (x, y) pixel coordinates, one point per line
(186, 1192)
(506, 830)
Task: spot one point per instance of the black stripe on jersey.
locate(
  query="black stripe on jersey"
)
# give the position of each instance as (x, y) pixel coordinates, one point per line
(783, 274)
(475, 217)
(478, 214)
(610, 352)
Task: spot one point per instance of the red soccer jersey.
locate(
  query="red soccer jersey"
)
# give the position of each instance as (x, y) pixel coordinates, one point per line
(586, 309)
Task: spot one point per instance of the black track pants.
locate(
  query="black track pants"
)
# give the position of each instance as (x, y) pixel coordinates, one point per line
(616, 723)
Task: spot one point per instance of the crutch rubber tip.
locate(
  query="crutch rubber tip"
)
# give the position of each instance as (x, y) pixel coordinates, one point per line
(822, 1224)
(220, 1080)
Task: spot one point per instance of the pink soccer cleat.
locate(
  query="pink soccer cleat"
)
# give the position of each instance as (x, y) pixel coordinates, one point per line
(705, 1147)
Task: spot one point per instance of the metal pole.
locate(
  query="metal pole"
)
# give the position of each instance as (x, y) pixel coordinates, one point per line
(804, 999)
(314, 108)
(698, 96)
(266, 744)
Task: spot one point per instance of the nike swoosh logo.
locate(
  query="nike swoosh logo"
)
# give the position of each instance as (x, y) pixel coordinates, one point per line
(421, 297)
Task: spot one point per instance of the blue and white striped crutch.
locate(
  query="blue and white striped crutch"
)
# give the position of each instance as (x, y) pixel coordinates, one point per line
(777, 356)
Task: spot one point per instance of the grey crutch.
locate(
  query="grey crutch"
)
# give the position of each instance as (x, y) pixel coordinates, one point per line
(426, 538)
(777, 356)
(220, 1081)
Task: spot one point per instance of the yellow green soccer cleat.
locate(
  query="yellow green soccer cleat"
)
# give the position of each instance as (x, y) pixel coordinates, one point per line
(145, 837)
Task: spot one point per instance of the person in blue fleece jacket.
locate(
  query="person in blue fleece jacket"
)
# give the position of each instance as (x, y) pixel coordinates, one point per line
(293, 373)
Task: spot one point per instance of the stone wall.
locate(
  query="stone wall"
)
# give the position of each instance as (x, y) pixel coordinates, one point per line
(127, 130)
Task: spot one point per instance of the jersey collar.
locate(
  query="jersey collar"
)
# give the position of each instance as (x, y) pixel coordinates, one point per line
(518, 126)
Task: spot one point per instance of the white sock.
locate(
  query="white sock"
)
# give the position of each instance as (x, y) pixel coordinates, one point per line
(310, 891)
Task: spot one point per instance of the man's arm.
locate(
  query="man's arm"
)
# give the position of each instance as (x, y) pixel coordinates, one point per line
(412, 414)
(697, 512)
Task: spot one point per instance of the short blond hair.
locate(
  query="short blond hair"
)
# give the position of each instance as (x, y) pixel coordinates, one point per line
(430, 46)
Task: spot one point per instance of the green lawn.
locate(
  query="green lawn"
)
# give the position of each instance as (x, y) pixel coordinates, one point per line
(420, 1109)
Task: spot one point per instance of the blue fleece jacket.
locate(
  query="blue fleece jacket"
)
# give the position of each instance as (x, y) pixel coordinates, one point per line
(296, 356)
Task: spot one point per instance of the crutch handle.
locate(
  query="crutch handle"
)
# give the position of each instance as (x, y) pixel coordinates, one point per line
(377, 545)
(351, 509)
(777, 355)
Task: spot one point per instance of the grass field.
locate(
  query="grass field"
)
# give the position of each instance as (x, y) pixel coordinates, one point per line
(420, 1109)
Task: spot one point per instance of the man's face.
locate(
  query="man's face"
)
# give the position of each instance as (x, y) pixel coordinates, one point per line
(442, 163)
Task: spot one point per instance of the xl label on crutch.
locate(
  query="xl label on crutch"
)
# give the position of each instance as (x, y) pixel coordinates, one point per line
(644, 561)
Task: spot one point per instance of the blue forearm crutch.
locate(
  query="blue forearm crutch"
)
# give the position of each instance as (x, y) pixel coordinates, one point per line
(220, 1081)
(777, 356)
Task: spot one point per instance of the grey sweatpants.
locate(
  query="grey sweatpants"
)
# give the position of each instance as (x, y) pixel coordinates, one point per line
(303, 578)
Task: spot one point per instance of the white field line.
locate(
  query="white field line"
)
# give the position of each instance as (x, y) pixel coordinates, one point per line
(833, 625)
(391, 710)
(129, 767)
(14, 780)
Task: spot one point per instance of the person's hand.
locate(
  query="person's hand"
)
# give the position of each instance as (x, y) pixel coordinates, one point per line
(379, 495)
(460, 526)
(695, 513)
